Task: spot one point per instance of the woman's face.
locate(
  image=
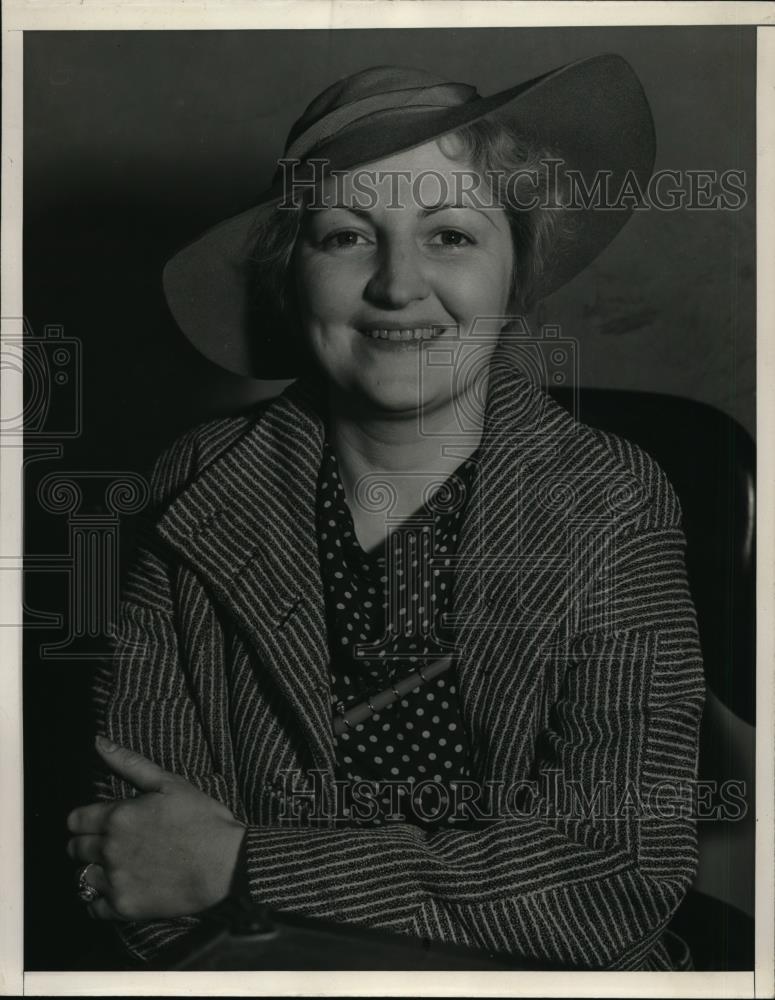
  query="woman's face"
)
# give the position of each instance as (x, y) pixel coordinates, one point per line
(401, 295)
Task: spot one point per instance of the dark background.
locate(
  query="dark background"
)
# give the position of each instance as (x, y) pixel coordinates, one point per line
(136, 141)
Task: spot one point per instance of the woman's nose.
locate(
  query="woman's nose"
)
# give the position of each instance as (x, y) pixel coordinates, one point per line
(399, 277)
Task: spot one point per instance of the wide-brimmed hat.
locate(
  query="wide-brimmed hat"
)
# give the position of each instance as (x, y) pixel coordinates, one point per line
(593, 114)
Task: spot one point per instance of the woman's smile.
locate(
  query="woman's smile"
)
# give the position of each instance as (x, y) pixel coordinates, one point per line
(403, 335)
(403, 338)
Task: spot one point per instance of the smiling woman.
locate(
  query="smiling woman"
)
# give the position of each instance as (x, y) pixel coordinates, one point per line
(407, 646)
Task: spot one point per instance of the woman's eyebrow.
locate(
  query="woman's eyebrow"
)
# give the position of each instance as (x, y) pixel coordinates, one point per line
(361, 212)
(365, 213)
(451, 204)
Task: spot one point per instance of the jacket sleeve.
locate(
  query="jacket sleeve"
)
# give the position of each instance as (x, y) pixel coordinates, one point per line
(140, 697)
(588, 874)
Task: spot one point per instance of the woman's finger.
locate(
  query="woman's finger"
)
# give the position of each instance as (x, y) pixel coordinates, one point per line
(87, 848)
(94, 875)
(90, 819)
(132, 766)
(102, 910)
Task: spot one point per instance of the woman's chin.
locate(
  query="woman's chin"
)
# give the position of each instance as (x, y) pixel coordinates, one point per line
(394, 398)
(392, 403)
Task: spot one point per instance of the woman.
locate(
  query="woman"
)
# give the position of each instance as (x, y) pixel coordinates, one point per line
(407, 646)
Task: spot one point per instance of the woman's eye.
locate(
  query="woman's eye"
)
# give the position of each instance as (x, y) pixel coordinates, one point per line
(452, 238)
(344, 238)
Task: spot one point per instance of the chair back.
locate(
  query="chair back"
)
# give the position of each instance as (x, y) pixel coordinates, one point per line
(710, 460)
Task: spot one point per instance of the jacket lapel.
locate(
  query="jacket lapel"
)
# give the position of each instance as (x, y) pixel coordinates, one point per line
(498, 566)
(246, 525)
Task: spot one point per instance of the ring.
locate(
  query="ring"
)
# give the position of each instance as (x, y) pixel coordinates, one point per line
(86, 892)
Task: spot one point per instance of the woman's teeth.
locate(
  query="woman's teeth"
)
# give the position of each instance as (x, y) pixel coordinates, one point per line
(418, 333)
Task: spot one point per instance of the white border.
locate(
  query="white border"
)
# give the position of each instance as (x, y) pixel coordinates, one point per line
(11, 403)
(397, 984)
(765, 555)
(235, 14)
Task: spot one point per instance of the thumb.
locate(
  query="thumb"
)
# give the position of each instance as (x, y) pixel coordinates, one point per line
(132, 766)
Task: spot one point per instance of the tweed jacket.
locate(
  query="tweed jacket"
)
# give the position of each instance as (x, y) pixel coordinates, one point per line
(579, 670)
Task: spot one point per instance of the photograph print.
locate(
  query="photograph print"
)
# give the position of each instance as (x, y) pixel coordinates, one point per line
(389, 477)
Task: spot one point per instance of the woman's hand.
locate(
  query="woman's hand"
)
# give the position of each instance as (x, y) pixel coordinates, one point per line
(169, 852)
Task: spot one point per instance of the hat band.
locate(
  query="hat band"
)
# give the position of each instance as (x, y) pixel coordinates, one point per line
(444, 95)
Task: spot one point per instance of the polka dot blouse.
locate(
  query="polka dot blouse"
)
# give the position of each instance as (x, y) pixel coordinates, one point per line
(386, 613)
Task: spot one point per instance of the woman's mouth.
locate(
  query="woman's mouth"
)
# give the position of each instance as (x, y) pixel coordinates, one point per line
(395, 335)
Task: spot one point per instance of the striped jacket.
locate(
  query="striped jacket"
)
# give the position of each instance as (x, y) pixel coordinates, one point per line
(579, 666)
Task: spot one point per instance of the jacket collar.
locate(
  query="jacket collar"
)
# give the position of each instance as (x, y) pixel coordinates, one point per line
(247, 526)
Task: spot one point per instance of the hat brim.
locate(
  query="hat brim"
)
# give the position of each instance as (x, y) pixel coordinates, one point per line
(593, 113)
